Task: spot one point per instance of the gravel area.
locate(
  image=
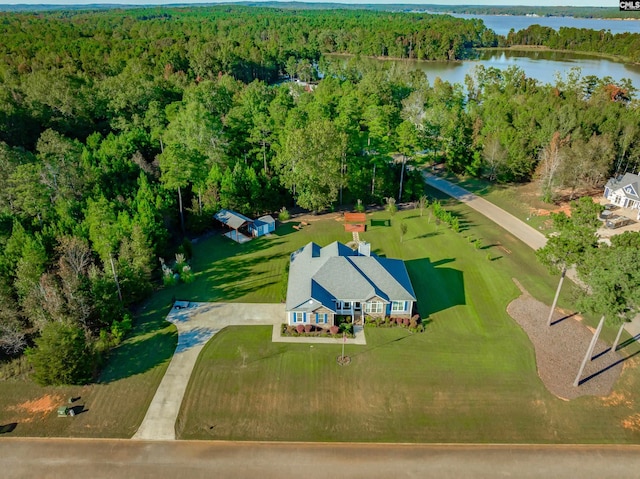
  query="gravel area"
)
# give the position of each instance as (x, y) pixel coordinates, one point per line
(560, 350)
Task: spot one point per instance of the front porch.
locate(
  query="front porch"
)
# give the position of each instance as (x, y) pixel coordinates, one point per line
(350, 308)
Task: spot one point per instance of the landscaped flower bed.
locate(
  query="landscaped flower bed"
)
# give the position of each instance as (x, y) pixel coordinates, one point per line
(311, 330)
(413, 324)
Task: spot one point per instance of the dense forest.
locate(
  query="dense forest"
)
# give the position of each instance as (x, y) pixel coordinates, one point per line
(123, 132)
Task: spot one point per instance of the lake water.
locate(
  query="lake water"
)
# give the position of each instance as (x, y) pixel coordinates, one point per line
(501, 24)
(541, 65)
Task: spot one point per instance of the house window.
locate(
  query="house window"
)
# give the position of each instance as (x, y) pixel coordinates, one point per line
(298, 317)
(373, 307)
(397, 306)
(321, 318)
(346, 305)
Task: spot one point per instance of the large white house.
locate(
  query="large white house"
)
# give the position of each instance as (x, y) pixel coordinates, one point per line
(336, 280)
(623, 191)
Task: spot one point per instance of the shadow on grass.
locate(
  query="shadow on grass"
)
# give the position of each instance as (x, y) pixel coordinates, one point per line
(427, 235)
(286, 228)
(138, 355)
(628, 342)
(377, 346)
(437, 288)
(7, 428)
(227, 270)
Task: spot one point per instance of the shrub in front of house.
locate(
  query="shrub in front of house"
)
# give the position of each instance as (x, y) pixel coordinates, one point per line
(311, 330)
(346, 328)
(413, 324)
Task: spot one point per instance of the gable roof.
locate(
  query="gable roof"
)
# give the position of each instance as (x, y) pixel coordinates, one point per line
(232, 219)
(628, 183)
(263, 220)
(321, 276)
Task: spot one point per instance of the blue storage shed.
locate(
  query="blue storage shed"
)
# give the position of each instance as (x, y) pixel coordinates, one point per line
(262, 226)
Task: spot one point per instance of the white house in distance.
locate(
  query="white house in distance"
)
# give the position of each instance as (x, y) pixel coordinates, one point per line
(336, 280)
(624, 191)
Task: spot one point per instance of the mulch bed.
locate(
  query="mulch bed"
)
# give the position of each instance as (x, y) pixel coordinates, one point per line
(560, 350)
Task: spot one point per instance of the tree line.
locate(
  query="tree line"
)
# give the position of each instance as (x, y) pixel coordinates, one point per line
(624, 45)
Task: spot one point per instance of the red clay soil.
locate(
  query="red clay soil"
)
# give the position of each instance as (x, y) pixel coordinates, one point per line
(561, 347)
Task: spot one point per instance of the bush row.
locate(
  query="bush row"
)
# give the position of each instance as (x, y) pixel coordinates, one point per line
(443, 215)
(414, 324)
(313, 330)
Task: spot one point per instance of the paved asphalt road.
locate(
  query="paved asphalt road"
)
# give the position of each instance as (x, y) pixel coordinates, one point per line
(96, 459)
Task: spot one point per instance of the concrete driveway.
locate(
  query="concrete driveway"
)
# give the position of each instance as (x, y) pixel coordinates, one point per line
(196, 324)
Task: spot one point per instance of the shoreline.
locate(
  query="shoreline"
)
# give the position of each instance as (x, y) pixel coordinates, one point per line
(514, 48)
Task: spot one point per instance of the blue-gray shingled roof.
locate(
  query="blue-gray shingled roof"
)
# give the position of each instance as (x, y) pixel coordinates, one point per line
(320, 276)
(629, 183)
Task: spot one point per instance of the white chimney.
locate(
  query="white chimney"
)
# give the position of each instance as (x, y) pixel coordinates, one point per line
(364, 248)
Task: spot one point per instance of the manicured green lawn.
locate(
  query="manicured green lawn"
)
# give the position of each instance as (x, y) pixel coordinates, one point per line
(471, 377)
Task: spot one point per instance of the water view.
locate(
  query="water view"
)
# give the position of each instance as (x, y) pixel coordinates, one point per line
(539, 64)
(501, 24)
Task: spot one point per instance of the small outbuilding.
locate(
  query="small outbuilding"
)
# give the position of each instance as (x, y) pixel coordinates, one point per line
(235, 221)
(262, 226)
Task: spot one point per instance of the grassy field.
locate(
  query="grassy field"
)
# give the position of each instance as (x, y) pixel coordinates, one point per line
(471, 377)
(115, 406)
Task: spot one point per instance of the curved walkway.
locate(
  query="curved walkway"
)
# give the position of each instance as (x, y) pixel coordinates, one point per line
(197, 323)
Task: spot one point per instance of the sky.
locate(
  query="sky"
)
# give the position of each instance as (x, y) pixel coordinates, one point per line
(538, 3)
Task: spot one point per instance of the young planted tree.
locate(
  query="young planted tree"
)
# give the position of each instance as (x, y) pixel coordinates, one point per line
(573, 237)
(391, 205)
(422, 203)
